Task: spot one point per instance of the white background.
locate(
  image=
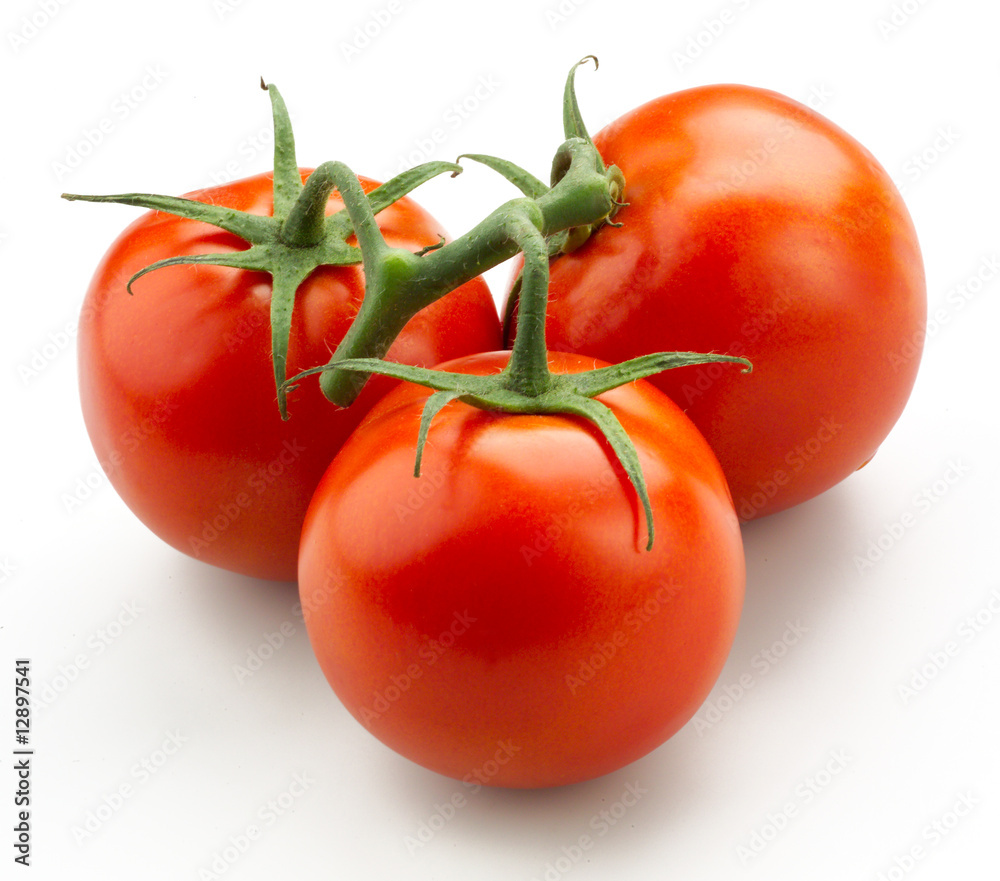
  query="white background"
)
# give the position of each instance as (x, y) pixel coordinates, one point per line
(825, 643)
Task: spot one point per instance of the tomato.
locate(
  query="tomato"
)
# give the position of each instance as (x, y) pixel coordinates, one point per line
(754, 227)
(499, 619)
(177, 384)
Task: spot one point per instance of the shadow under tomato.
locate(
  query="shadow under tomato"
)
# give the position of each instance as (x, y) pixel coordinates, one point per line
(250, 638)
(531, 827)
(235, 605)
(792, 563)
(795, 564)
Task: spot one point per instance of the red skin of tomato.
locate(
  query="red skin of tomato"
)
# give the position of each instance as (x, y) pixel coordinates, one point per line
(498, 619)
(177, 383)
(756, 228)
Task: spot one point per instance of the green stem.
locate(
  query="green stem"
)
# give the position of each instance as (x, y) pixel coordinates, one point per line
(374, 329)
(527, 371)
(305, 225)
(388, 276)
(584, 194)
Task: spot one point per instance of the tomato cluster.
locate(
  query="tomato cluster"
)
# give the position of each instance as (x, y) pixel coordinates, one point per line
(506, 595)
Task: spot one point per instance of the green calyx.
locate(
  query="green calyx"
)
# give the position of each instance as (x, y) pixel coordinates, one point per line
(526, 385)
(295, 240)
(547, 220)
(300, 237)
(584, 194)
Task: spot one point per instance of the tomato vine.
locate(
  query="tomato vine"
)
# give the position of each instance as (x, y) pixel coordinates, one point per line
(584, 194)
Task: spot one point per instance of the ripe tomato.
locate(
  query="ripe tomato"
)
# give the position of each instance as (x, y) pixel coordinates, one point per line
(754, 227)
(177, 383)
(498, 619)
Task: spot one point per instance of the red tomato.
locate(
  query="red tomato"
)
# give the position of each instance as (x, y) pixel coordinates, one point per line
(498, 619)
(757, 228)
(178, 390)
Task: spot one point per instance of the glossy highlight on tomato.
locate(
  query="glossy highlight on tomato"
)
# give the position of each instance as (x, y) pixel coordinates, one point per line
(501, 610)
(754, 227)
(177, 382)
